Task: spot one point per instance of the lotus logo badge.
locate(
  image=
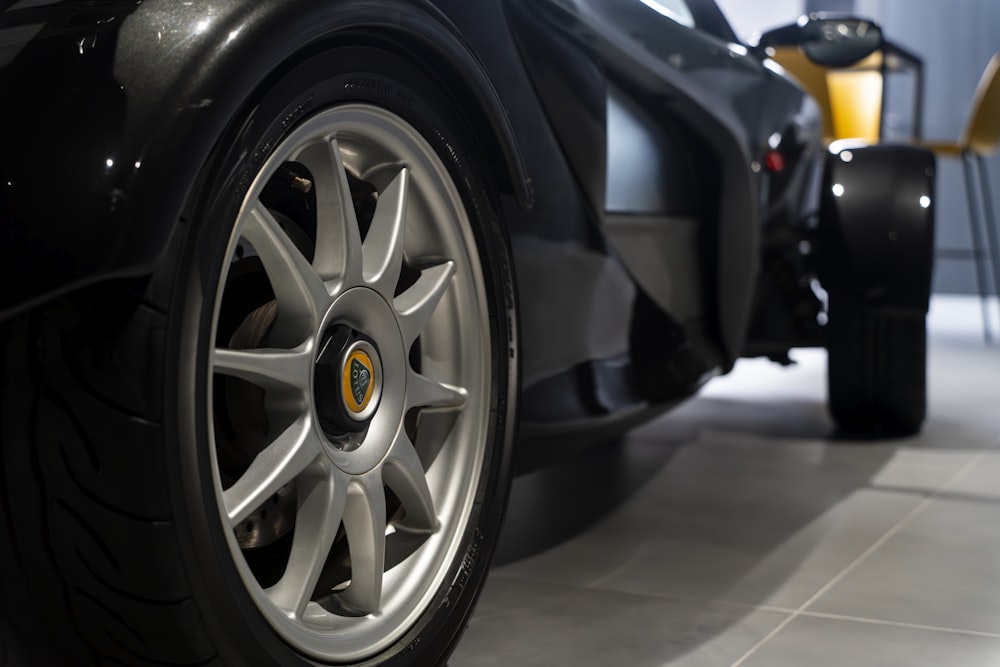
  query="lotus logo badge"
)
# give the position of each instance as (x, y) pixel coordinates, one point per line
(359, 381)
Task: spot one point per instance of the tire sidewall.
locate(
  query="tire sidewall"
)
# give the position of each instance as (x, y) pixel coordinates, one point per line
(343, 75)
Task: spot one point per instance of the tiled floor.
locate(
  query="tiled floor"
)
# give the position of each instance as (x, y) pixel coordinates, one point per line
(735, 533)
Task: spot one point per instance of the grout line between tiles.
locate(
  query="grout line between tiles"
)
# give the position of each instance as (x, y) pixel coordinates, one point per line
(898, 624)
(864, 555)
(667, 597)
(698, 600)
(597, 583)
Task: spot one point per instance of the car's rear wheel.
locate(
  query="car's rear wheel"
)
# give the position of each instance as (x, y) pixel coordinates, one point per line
(325, 472)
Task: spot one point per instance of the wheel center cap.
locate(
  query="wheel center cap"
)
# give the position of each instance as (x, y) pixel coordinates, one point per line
(348, 384)
(361, 380)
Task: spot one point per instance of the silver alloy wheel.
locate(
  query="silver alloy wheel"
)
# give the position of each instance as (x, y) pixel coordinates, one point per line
(410, 287)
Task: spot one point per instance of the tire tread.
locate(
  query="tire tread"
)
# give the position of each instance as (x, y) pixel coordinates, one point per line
(90, 536)
(877, 368)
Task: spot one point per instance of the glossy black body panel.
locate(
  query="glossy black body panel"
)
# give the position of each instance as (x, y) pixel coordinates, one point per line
(114, 107)
(121, 103)
(877, 225)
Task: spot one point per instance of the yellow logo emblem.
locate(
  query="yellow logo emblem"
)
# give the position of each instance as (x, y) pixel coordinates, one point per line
(358, 385)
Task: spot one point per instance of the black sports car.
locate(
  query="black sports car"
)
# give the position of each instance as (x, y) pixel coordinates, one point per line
(281, 278)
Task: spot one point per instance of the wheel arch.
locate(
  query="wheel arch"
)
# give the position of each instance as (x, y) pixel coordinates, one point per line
(128, 185)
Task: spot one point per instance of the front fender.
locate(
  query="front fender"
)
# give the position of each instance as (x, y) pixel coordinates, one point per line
(877, 225)
(112, 108)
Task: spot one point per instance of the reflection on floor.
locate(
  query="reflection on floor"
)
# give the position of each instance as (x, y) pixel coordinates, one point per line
(734, 532)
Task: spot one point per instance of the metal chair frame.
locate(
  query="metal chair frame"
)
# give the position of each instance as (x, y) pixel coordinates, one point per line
(980, 138)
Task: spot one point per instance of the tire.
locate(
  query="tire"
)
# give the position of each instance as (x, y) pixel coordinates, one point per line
(877, 368)
(291, 445)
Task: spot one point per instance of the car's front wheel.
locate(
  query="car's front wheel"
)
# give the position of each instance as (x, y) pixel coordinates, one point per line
(322, 478)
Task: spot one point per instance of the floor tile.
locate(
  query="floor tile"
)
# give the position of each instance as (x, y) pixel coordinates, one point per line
(541, 625)
(746, 520)
(942, 568)
(552, 505)
(692, 539)
(960, 427)
(822, 642)
(982, 481)
(772, 561)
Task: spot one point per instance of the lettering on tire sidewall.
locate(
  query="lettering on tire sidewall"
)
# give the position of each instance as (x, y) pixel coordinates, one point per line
(379, 87)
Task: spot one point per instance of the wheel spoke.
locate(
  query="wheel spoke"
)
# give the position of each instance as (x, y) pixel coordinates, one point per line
(278, 464)
(301, 295)
(416, 305)
(266, 368)
(383, 247)
(338, 238)
(421, 391)
(404, 474)
(364, 522)
(322, 499)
